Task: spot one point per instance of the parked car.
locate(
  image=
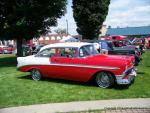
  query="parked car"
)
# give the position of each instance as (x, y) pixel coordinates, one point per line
(6, 49)
(78, 62)
(138, 41)
(108, 47)
(147, 43)
(124, 42)
(1, 51)
(127, 44)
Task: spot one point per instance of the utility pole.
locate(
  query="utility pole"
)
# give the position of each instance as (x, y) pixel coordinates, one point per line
(67, 26)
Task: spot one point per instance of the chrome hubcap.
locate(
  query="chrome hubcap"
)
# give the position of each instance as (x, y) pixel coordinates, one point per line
(103, 80)
(36, 75)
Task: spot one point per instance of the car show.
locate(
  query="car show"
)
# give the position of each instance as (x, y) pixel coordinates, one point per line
(74, 56)
(112, 61)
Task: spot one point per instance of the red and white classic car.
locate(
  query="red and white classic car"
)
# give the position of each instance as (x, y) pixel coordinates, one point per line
(6, 49)
(78, 61)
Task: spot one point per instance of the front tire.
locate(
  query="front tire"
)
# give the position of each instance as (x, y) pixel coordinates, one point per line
(104, 79)
(36, 75)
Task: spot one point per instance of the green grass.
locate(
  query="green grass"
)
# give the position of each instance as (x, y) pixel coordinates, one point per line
(17, 88)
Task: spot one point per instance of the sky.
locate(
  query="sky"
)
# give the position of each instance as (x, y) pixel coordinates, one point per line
(122, 13)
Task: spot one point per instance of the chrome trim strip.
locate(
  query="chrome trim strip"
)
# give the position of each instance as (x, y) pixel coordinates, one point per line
(119, 75)
(75, 65)
(86, 66)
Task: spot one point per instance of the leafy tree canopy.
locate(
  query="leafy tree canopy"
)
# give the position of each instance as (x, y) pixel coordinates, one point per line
(89, 16)
(28, 18)
(25, 19)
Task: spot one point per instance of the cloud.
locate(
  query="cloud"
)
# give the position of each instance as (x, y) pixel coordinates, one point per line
(128, 13)
(121, 13)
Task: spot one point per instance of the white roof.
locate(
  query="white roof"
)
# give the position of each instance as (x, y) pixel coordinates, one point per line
(66, 44)
(3, 46)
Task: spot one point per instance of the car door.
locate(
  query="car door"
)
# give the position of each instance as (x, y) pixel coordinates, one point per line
(64, 63)
(67, 65)
(42, 60)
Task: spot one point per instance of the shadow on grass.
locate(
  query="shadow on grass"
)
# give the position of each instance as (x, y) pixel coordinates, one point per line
(8, 62)
(140, 73)
(70, 82)
(61, 81)
(120, 87)
(147, 66)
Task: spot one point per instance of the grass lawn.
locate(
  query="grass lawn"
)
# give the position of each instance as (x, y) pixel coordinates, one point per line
(17, 88)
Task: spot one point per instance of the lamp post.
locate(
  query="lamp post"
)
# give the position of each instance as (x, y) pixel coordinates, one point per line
(67, 26)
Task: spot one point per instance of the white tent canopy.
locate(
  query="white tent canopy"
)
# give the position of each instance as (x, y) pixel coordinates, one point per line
(69, 39)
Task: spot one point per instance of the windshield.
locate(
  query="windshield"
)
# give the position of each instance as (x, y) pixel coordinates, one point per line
(87, 50)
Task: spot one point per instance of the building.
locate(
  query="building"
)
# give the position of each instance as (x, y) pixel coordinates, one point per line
(130, 31)
(55, 38)
(50, 39)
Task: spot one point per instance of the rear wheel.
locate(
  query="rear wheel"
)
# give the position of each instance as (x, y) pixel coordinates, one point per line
(36, 75)
(104, 79)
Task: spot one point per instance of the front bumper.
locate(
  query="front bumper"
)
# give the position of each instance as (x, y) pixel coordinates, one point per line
(127, 78)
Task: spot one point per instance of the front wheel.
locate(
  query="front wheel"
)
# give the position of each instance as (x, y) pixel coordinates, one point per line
(104, 79)
(36, 75)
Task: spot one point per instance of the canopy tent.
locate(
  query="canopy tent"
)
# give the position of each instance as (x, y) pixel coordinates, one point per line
(69, 39)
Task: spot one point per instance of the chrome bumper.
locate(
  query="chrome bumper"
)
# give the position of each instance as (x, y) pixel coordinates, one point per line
(128, 80)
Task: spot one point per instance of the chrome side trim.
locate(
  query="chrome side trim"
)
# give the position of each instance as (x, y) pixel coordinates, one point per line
(75, 65)
(86, 66)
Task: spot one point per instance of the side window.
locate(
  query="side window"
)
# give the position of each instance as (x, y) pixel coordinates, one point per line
(83, 52)
(67, 52)
(46, 53)
(88, 50)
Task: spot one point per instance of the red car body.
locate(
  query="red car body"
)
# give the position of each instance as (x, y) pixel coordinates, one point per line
(147, 43)
(77, 67)
(6, 49)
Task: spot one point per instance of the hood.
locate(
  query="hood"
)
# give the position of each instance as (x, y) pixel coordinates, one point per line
(125, 48)
(129, 58)
(109, 58)
(118, 61)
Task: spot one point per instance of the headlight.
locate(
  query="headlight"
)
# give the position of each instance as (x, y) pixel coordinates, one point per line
(126, 70)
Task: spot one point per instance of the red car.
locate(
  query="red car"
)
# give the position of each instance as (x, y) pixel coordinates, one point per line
(78, 62)
(147, 43)
(6, 49)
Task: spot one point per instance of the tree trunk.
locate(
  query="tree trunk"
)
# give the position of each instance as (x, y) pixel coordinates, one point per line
(19, 47)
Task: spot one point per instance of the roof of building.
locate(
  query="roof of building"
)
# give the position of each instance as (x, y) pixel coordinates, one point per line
(67, 44)
(144, 30)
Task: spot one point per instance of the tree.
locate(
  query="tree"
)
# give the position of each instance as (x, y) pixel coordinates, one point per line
(60, 31)
(89, 16)
(25, 19)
